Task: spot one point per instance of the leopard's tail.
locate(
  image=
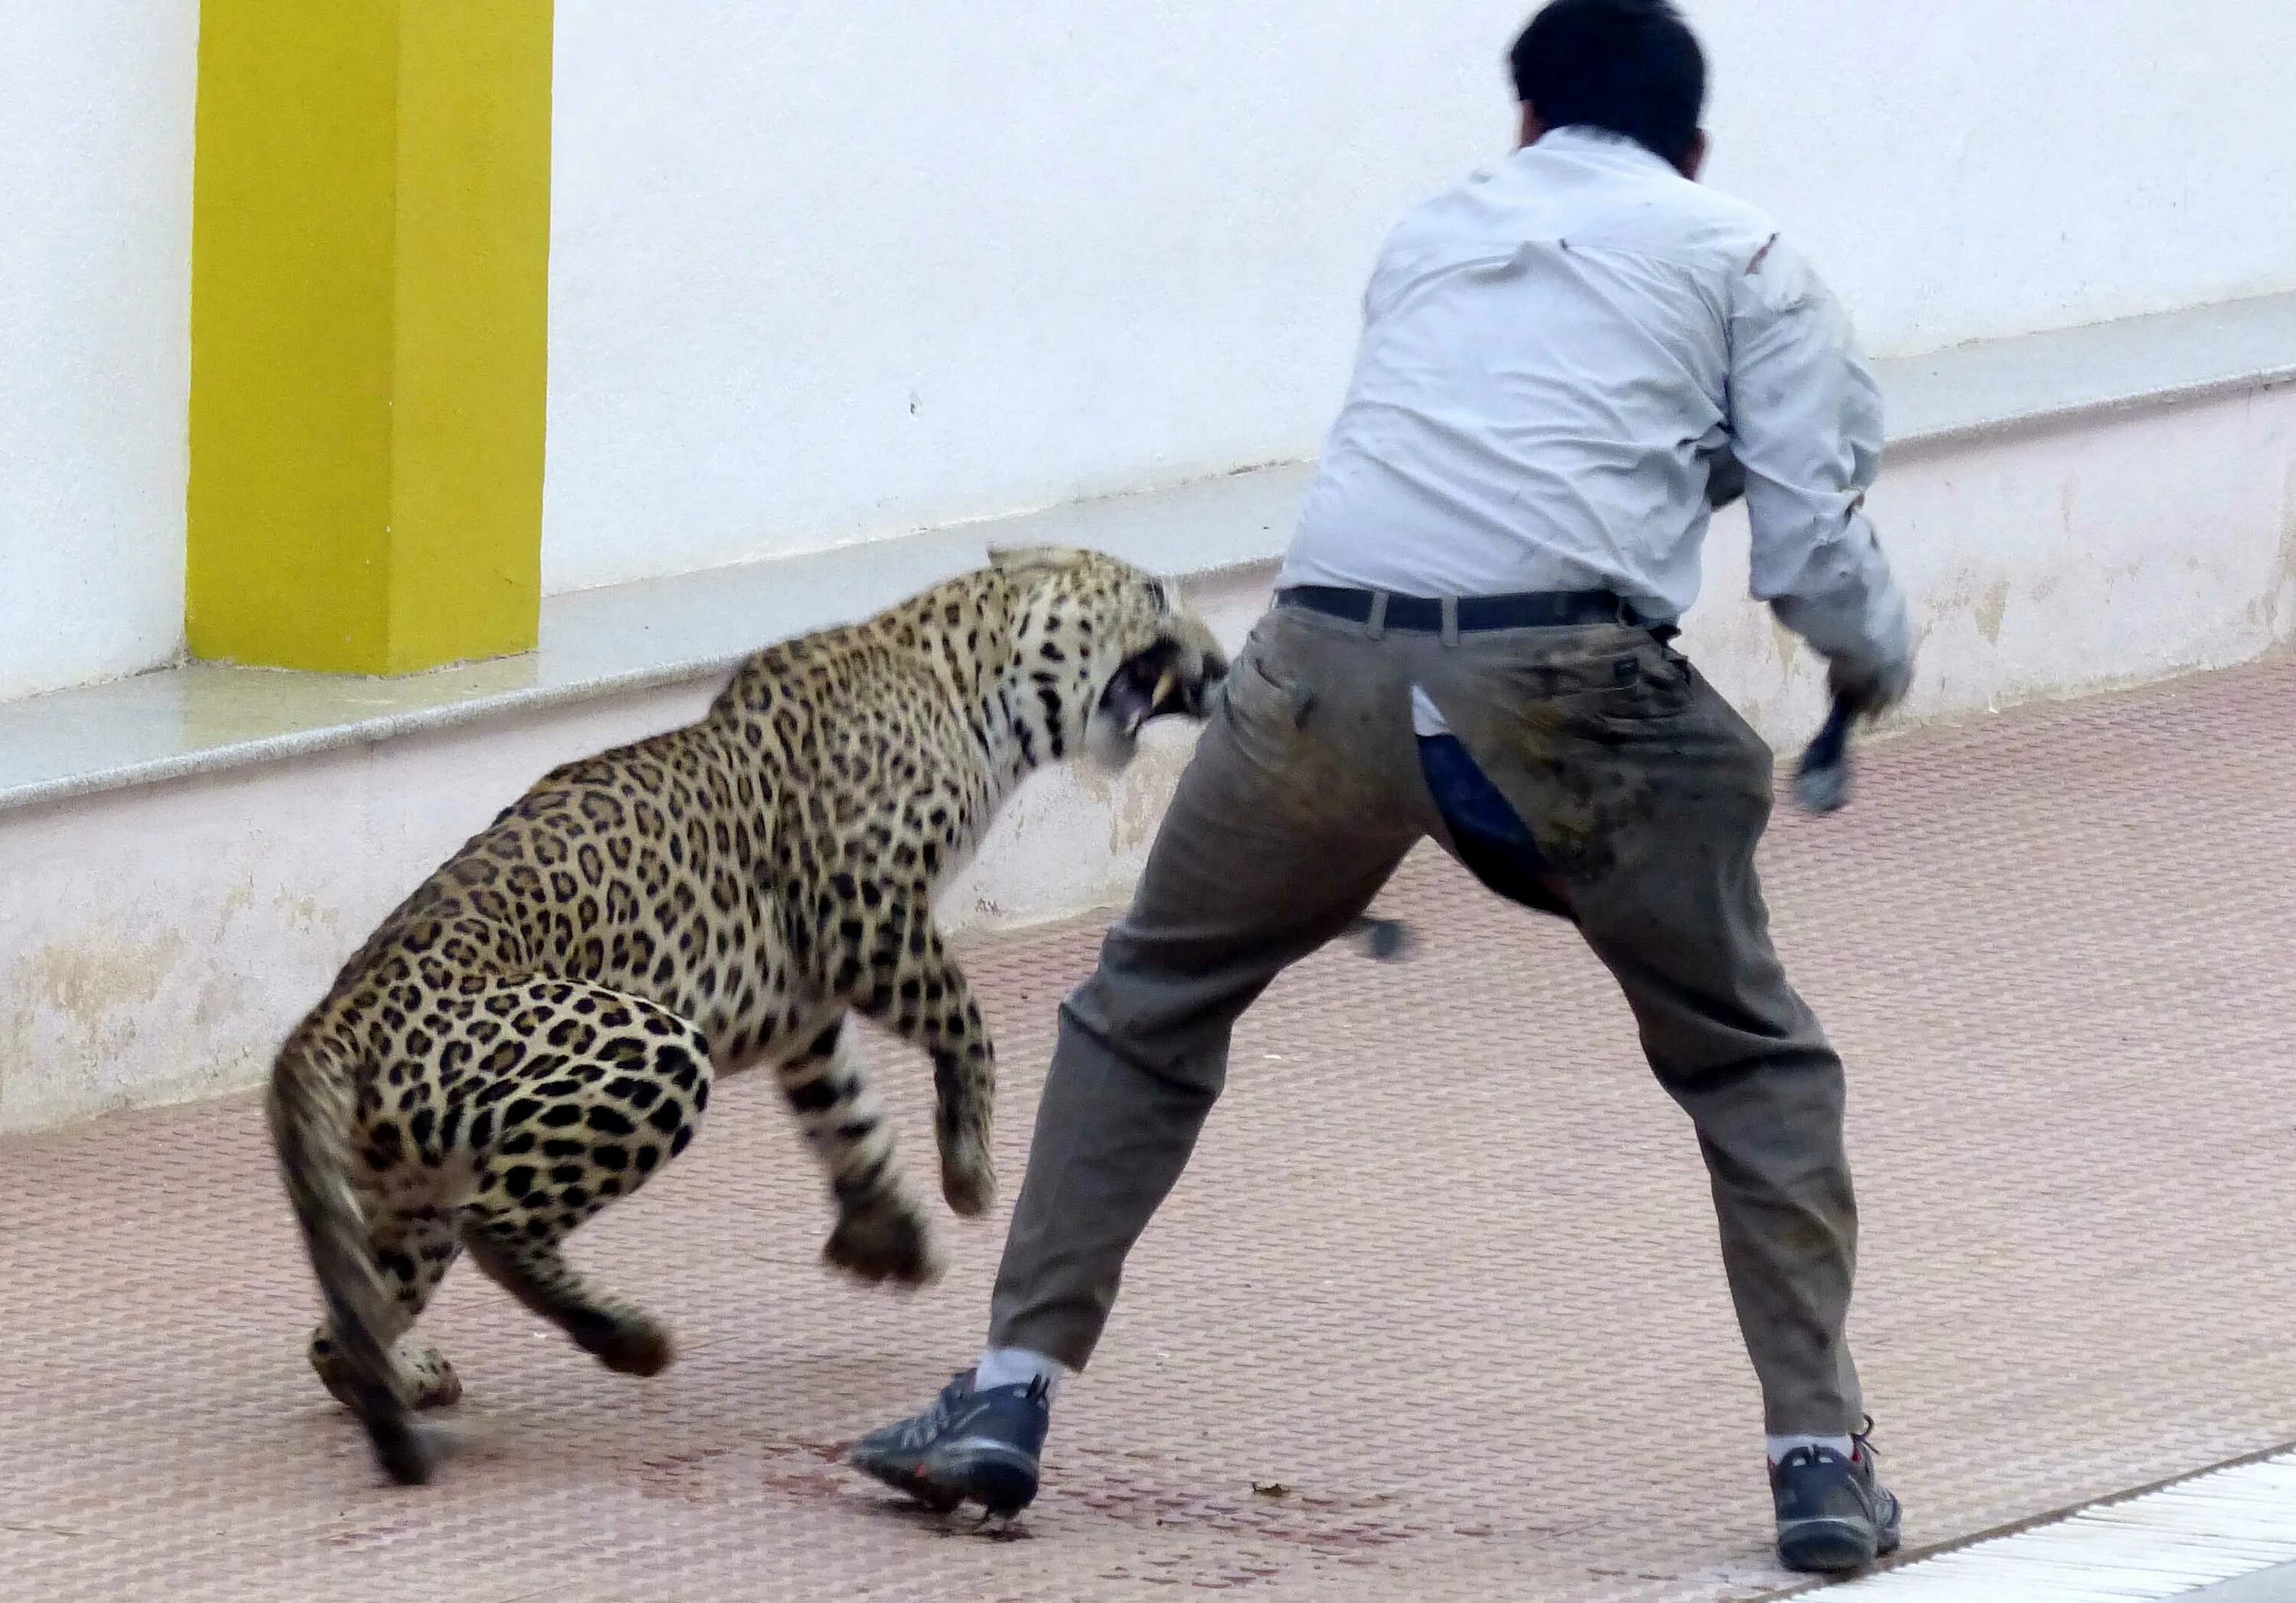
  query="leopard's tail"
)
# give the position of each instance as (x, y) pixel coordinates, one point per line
(312, 1107)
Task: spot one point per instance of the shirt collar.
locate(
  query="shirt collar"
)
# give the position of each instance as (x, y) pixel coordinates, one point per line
(1586, 142)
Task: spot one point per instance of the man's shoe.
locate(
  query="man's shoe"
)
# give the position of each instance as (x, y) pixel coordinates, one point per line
(972, 1445)
(1833, 1513)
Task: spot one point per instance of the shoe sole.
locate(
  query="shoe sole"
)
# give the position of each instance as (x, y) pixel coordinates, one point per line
(1829, 1546)
(1000, 1477)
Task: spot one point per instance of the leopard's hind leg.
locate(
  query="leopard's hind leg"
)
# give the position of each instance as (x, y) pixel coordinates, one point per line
(414, 1251)
(609, 1088)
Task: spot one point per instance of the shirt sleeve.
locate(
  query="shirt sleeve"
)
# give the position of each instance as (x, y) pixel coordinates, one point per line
(1806, 426)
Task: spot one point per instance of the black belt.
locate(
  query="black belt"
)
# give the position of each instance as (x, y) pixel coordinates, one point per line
(1527, 609)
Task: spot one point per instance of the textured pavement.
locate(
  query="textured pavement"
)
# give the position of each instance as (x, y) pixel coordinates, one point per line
(1435, 1313)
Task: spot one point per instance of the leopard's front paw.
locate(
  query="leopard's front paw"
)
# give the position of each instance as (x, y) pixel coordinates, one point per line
(885, 1242)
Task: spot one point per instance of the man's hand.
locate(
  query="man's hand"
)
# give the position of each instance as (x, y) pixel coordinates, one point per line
(1869, 689)
(1726, 480)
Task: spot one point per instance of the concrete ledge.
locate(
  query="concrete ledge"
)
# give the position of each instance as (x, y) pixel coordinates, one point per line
(1996, 387)
(201, 718)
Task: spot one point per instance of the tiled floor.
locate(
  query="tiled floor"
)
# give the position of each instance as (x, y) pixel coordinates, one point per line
(2275, 1585)
(1435, 1314)
(2221, 1534)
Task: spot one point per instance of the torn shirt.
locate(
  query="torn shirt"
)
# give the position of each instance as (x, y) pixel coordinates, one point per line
(1552, 353)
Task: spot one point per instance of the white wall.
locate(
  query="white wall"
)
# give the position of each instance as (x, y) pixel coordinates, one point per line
(1970, 168)
(95, 248)
(830, 268)
(835, 267)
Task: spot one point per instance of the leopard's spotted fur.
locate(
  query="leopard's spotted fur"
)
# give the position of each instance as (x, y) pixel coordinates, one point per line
(533, 1032)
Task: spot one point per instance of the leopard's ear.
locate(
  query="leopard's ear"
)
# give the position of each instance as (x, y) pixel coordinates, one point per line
(1036, 559)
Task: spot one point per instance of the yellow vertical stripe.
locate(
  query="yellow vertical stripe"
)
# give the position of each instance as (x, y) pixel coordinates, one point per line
(472, 312)
(369, 318)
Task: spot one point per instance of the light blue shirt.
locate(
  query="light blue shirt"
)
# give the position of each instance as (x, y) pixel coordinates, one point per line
(1551, 350)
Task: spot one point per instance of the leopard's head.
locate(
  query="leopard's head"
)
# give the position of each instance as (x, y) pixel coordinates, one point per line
(1103, 647)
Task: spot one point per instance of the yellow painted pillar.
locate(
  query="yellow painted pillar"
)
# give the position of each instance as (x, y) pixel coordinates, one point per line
(370, 299)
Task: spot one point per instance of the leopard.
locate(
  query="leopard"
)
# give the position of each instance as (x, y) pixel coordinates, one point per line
(533, 1034)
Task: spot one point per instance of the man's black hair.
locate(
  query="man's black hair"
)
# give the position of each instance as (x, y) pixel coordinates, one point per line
(1630, 66)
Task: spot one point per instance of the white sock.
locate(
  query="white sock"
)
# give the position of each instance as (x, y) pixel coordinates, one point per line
(1017, 1367)
(1781, 1445)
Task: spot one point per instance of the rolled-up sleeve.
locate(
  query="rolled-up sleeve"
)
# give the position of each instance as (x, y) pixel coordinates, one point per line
(1806, 426)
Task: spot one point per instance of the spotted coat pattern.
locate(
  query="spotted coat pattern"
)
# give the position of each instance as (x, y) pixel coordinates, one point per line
(534, 1032)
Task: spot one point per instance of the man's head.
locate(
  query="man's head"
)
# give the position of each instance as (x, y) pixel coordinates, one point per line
(1632, 67)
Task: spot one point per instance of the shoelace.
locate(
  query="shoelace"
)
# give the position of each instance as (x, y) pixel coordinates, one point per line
(1861, 1442)
(935, 1420)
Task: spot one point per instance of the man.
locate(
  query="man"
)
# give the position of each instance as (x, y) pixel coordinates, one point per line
(1560, 359)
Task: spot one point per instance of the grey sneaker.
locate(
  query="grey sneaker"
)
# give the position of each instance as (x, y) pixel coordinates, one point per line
(971, 1445)
(1833, 1513)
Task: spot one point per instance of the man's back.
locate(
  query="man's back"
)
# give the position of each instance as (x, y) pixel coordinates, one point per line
(1546, 360)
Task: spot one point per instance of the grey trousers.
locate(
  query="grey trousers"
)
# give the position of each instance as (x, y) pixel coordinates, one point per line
(1645, 792)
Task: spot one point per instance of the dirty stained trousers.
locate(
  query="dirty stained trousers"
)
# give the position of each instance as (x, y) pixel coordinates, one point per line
(1645, 794)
